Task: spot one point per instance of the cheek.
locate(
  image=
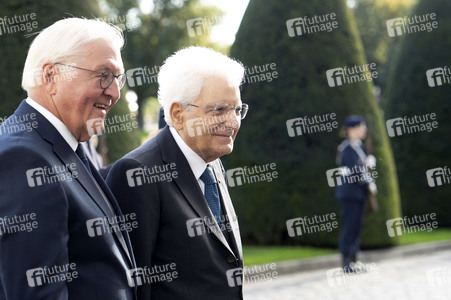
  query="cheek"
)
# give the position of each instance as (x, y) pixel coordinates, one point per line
(76, 99)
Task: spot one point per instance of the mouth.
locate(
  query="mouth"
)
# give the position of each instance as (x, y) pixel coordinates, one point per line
(225, 134)
(103, 107)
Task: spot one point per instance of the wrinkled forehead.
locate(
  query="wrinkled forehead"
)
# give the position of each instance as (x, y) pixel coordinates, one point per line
(101, 55)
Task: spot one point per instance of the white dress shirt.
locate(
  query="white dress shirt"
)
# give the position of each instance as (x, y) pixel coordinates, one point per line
(67, 135)
(196, 163)
(57, 123)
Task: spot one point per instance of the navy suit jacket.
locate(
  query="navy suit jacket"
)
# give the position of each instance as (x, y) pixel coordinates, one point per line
(52, 245)
(176, 225)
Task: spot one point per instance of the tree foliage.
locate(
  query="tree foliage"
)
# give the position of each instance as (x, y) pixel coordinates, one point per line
(14, 46)
(160, 33)
(301, 89)
(409, 95)
(371, 17)
(150, 38)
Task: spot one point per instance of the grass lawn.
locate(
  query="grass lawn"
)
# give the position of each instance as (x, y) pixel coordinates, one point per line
(423, 237)
(254, 255)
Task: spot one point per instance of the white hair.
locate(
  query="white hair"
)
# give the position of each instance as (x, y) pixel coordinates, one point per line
(182, 75)
(63, 42)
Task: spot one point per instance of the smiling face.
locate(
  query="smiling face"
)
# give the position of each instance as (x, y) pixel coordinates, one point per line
(77, 101)
(218, 132)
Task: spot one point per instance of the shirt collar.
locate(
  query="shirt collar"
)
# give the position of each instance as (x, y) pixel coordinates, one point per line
(196, 163)
(57, 123)
(355, 142)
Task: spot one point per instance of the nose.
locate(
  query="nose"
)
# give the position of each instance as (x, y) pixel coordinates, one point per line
(233, 121)
(113, 90)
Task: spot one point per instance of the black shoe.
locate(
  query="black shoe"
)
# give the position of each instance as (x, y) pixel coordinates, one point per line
(358, 267)
(347, 260)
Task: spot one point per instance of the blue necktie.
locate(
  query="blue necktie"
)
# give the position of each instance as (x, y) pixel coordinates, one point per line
(212, 193)
(82, 155)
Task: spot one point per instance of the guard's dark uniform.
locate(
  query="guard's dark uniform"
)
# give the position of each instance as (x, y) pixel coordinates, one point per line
(352, 194)
(352, 198)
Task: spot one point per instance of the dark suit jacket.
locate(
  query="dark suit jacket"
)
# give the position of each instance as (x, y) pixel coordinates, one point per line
(63, 206)
(167, 233)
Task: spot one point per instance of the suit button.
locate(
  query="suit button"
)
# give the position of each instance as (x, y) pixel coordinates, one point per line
(231, 259)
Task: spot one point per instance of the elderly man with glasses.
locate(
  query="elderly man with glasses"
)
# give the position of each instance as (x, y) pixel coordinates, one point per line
(62, 232)
(187, 244)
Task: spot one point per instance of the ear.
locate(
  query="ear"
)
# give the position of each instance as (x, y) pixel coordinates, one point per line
(48, 78)
(176, 113)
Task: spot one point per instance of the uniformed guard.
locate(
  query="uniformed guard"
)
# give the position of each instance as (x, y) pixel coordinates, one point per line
(354, 188)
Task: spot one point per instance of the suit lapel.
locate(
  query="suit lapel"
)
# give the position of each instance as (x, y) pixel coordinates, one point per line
(67, 156)
(88, 184)
(188, 184)
(230, 211)
(124, 239)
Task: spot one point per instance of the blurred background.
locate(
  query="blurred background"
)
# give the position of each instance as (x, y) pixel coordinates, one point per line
(285, 79)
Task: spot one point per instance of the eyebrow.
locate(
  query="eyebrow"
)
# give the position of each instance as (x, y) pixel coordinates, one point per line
(224, 104)
(108, 68)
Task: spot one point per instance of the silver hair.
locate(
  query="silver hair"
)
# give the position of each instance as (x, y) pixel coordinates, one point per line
(63, 42)
(182, 75)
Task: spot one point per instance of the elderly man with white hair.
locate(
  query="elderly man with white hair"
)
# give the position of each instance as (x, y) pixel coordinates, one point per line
(61, 229)
(187, 245)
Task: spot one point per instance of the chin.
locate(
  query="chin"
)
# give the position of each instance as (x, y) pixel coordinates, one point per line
(226, 150)
(84, 138)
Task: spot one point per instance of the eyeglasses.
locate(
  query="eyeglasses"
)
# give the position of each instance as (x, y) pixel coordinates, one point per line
(106, 77)
(221, 109)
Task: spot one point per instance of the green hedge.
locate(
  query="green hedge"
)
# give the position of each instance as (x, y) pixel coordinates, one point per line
(301, 89)
(409, 94)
